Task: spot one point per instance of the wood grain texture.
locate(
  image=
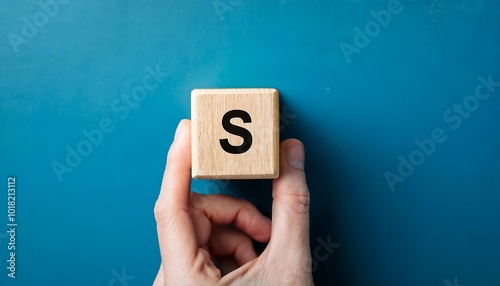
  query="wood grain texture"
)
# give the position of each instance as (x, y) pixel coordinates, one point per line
(209, 159)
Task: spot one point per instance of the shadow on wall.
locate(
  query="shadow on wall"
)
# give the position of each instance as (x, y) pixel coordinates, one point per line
(323, 171)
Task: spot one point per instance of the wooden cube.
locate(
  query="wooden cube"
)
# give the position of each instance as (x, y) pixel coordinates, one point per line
(235, 133)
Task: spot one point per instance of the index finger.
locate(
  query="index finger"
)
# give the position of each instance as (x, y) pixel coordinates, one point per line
(176, 234)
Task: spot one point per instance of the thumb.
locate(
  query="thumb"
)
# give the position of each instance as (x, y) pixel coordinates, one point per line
(291, 199)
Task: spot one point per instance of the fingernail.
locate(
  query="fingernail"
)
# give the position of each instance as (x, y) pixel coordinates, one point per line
(295, 156)
(180, 129)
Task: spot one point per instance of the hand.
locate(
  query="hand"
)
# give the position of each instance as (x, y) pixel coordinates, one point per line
(195, 230)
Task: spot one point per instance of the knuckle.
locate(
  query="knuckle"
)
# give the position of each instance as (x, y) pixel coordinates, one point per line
(294, 192)
(217, 196)
(197, 200)
(164, 213)
(160, 212)
(245, 204)
(299, 202)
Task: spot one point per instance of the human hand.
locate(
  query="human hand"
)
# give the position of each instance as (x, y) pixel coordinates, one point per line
(195, 229)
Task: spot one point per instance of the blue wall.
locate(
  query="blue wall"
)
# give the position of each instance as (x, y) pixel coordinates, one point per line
(359, 93)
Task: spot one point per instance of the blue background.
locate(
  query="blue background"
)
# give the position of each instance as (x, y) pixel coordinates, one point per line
(438, 227)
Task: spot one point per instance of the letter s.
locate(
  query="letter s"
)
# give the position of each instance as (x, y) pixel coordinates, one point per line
(236, 130)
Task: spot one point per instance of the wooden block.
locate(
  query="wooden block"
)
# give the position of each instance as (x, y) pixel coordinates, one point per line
(235, 133)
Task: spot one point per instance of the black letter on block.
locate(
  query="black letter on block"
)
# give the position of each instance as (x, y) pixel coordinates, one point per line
(236, 130)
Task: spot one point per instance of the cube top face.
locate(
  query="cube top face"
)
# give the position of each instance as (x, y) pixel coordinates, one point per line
(235, 133)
